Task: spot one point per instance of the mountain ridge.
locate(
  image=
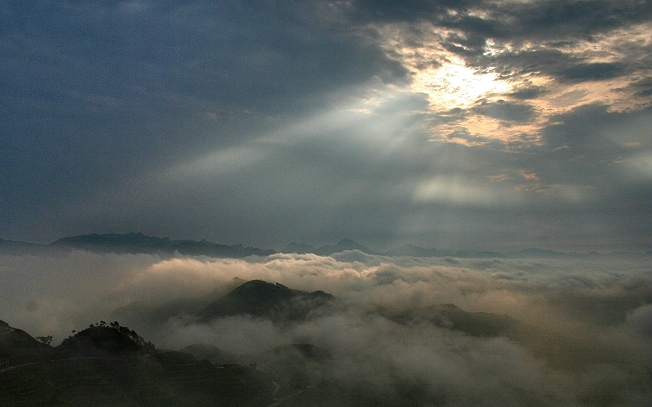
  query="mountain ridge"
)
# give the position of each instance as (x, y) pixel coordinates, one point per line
(137, 242)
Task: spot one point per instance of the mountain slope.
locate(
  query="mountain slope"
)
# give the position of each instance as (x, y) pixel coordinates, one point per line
(262, 299)
(106, 366)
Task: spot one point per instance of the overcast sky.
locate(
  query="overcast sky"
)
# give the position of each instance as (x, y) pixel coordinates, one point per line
(468, 124)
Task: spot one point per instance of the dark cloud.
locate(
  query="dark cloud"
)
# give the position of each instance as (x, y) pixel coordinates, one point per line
(547, 26)
(595, 71)
(643, 87)
(506, 111)
(527, 93)
(517, 22)
(586, 137)
(564, 66)
(465, 46)
(366, 11)
(97, 92)
(232, 54)
(530, 61)
(558, 19)
(549, 19)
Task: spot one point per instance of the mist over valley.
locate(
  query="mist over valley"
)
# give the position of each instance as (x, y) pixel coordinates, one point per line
(346, 329)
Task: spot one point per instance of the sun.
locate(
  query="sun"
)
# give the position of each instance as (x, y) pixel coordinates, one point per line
(454, 85)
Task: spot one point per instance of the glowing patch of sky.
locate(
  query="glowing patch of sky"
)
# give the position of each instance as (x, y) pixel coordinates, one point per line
(448, 189)
(456, 86)
(450, 84)
(457, 92)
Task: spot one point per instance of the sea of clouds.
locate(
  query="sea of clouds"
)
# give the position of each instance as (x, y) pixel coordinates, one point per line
(584, 325)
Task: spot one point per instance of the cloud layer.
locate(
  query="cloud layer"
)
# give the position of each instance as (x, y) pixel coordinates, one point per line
(578, 330)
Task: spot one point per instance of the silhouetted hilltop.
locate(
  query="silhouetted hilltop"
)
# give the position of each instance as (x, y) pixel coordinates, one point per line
(106, 365)
(105, 340)
(19, 347)
(14, 338)
(262, 299)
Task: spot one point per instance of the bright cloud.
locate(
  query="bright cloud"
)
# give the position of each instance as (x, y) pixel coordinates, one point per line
(579, 327)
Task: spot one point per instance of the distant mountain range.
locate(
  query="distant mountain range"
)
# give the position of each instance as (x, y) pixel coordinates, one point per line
(140, 243)
(135, 243)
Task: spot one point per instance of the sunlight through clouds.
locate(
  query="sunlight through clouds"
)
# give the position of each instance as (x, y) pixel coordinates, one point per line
(455, 86)
(463, 192)
(458, 87)
(273, 122)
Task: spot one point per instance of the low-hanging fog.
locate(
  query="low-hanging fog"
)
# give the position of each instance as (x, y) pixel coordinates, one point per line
(581, 328)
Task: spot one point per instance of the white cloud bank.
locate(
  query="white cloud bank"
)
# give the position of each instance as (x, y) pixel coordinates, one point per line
(580, 331)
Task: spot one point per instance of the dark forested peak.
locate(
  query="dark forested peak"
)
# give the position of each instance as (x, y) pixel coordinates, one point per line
(102, 340)
(261, 298)
(262, 290)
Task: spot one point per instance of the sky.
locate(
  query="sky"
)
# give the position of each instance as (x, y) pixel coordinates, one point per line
(481, 125)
